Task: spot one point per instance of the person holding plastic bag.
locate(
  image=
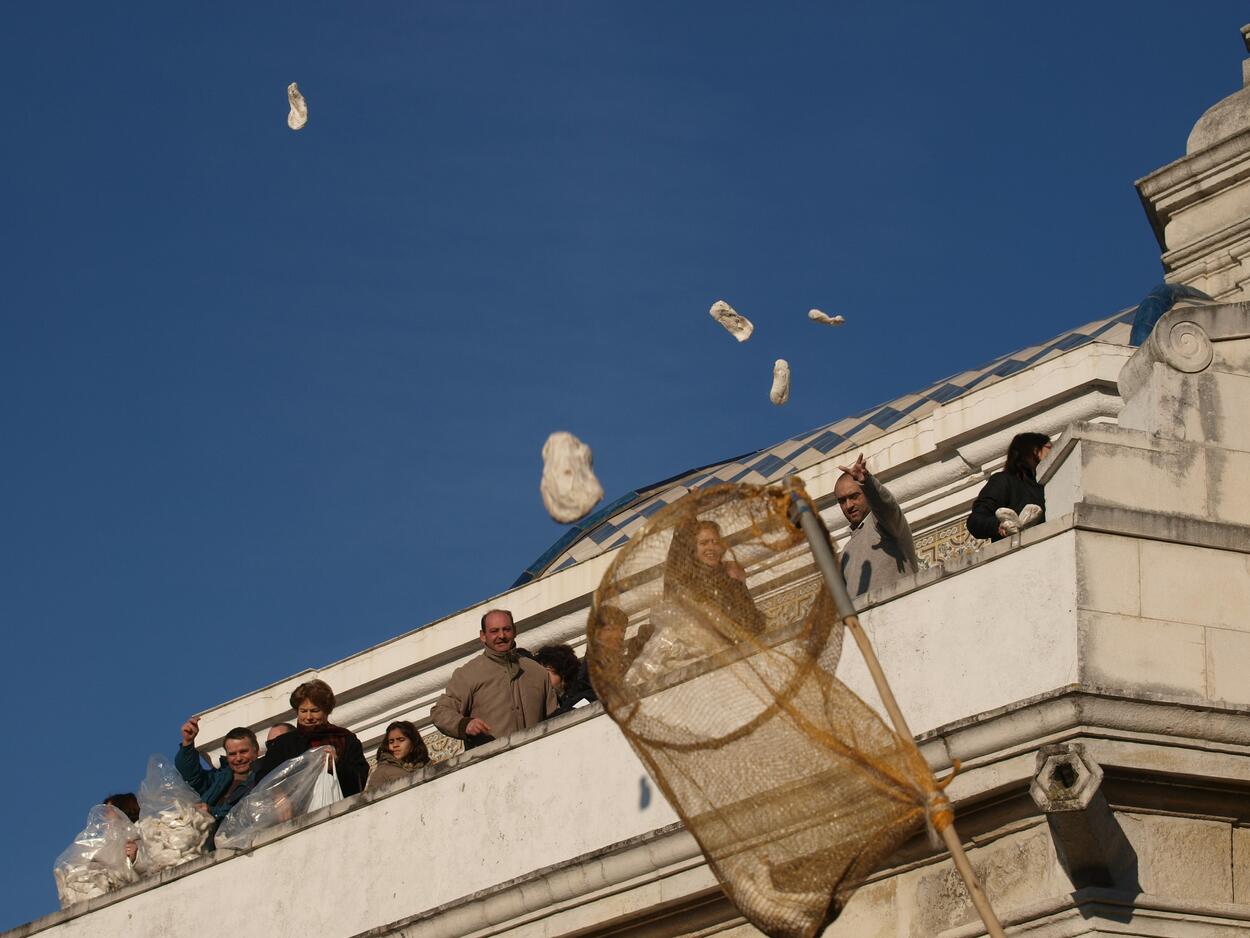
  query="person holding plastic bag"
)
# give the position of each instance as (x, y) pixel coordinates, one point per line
(96, 861)
(313, 702)
(298, 786)
(128, 804)
(219, 788)
(174, 824)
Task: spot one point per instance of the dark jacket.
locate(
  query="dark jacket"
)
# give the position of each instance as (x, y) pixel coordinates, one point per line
(576, 691)
(212, 784)
(350, 764)
(1003, 491)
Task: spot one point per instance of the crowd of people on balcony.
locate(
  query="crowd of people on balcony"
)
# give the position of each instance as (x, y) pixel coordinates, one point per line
(502, 690)
(505, 689)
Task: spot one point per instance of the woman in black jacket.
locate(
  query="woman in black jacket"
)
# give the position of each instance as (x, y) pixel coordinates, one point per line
(1014, 487)
(313, 702)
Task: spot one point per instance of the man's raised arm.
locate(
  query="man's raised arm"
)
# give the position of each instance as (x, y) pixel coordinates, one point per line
(883, 505)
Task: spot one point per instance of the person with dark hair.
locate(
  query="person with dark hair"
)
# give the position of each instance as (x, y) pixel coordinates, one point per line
(496, 693)
(880, 549)
(313, 702)
(220, 788)
(126, 803)
(401, 753)
(1014, 487)
(568, 676)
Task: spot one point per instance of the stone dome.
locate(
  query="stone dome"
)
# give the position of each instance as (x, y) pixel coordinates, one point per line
(1228, 117)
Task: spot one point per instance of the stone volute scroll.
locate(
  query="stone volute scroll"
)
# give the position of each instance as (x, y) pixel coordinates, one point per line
(1185, 346)
(1190, 379)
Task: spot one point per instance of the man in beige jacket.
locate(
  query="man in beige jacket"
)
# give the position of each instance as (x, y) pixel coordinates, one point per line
(497, 692)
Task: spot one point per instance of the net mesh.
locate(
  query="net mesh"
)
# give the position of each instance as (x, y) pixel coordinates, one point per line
(795, 789)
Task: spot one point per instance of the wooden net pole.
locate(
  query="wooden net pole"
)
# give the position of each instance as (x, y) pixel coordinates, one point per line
(827, 563)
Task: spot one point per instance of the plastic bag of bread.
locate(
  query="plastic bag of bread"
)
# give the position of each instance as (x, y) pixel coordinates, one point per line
(295, 787)
(173, 822)
(95, 862)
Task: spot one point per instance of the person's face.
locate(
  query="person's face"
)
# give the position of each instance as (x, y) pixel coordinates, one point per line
(498, 634)
(310, 714)
(1041, 453)
(240, 754)
(851, 500)
(398, 744)
(708, 546)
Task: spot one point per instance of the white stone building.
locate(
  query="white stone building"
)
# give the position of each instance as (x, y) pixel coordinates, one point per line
(1092, 674)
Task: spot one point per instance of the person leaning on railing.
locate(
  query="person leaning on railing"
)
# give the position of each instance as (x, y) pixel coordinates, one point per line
(880, 549)
(569, 676)
(223, 787)
(1014, 487)
(496, 693)
(313, 702)
(401, 753)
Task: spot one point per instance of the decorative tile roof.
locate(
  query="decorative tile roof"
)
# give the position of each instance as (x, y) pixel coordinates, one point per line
(614, 523)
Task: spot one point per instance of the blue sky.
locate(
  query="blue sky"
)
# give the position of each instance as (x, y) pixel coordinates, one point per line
(271, 397)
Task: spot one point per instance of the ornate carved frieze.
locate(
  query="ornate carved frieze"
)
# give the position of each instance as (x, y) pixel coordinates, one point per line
(950, 540)
(441, 747)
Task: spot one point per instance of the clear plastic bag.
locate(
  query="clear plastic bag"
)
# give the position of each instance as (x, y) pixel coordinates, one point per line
(96, 860)
(295, 787)
(173, 825)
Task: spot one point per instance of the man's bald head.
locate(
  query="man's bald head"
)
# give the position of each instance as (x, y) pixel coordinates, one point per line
(498, 633)
(850, 496)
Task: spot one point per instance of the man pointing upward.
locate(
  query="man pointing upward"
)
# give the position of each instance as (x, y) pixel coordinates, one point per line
(880, 549)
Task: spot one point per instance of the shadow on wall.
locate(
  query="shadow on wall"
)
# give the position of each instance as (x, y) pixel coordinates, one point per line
(1089, 842)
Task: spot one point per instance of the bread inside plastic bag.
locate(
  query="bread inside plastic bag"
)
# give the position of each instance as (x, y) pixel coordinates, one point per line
(285, 793)
(173, 825)
(95, 862)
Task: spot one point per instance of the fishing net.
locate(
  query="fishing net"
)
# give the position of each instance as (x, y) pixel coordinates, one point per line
(713, 645)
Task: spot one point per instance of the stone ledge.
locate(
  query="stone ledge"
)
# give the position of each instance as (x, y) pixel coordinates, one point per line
(295, 825)
(1153, 526)
(1092, 903)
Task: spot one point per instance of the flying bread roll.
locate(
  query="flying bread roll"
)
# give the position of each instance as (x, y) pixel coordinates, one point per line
(298, 115)
(780, 392)
(816, 315)
(569, 487)
(734, 322)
